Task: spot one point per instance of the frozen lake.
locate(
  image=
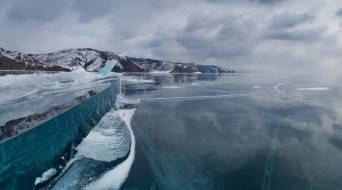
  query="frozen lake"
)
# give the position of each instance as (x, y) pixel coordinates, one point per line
(237, 131)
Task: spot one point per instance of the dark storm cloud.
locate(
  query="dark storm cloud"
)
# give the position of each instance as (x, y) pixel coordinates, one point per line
(339, 12)
(36, 10)
(216, 37)
(89, 9)
(293, 27)
(288, 20)
(226, 27)
(268, 1)
(296, 35)
(257, 1)
(155, 42)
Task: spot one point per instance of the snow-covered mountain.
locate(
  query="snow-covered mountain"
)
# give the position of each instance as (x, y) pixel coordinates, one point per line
(93, 60)
(13, 60)
(90, 59)
(153, 65)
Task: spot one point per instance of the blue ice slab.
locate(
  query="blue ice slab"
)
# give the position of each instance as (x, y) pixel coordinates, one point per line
(107, 67)
(26, 156)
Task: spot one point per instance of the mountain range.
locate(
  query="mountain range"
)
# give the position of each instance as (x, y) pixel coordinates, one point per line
(93, 60)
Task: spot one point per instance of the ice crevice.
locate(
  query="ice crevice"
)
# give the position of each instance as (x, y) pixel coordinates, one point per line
(276, 87)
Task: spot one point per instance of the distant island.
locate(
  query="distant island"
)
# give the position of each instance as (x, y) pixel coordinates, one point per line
(94, 60)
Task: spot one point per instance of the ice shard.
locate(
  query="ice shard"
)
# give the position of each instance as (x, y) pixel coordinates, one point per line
(106, 154)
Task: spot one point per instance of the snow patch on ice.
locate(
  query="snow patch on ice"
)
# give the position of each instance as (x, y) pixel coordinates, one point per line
(161, 72)
(131, 79)
(172, 87)
(314, 89)
(45, 176)
(194, 84)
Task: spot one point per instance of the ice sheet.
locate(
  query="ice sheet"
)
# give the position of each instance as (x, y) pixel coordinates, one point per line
(29, 94)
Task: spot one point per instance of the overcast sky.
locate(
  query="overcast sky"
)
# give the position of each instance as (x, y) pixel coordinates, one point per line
(240, 34)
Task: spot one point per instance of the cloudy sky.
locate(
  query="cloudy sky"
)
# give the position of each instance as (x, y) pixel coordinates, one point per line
(241, 34)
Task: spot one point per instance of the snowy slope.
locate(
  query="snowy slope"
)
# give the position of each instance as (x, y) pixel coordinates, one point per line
(90, 59)
(13, 60)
